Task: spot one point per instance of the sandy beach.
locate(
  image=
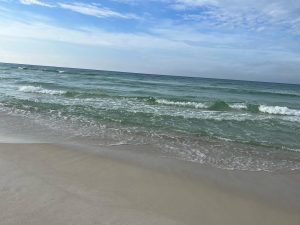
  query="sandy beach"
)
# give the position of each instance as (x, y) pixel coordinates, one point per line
(57, 184)
(159, 112)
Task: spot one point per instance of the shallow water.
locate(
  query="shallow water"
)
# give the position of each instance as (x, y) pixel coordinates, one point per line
(224, 123)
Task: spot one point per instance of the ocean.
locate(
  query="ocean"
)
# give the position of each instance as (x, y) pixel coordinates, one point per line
(228, 124)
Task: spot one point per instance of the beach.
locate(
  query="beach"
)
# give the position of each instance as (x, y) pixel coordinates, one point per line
(101, 147)
(62, 184)
(159, 112)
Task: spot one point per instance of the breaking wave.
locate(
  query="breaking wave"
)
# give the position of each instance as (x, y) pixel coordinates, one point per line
(279, 110)
(33, 89)
(223, 106)
(196, 105)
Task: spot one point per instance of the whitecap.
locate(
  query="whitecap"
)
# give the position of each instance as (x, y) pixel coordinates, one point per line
(33, 89)
(196, 105)
(238, 106)
(279, 110)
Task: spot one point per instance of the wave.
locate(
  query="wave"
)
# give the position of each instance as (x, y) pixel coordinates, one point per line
(22, 68)
(238, 106)
(82, 95)
(219, 106)
(223, 106)
(33, 89)
(39, 69)
(196, 105)
(214, 106)
(53, 70)
(45, 85)
(279, 110)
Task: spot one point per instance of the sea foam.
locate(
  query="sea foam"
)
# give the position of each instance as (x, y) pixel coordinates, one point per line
(238, 106)
(196, 105)
(33, 89)
(279, 110)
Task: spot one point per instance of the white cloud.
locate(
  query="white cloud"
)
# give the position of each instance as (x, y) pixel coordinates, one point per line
(264, 15)
(84, 35)
(95, 48)
(186, 4)
(35, 2)
(198, 45)
(95, 10)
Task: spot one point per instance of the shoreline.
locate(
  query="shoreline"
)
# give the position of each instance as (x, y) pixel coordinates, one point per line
(67, 184)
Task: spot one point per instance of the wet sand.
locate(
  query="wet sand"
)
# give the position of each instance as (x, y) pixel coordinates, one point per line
(60, 184)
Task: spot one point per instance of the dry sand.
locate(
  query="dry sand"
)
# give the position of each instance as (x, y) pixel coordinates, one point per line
(54, 184)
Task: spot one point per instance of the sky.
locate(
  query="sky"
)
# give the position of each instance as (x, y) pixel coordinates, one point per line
(234, 39)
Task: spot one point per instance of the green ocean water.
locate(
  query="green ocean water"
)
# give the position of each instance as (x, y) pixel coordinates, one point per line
(224, 123)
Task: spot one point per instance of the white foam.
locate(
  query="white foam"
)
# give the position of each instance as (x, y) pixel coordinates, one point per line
(33, 89)
(190, 104)
(238, 106)
(279, 110)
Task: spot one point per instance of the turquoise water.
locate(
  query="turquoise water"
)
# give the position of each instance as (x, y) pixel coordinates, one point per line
(223, 123)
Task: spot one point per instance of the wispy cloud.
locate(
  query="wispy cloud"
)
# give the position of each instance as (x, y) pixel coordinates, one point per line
(245, 14)
(95, 10)
(90, 36)
(91, 9)
(36, 2)
(199, 37)
(187, 4)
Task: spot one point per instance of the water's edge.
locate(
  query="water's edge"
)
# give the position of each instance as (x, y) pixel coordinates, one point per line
(233, 125)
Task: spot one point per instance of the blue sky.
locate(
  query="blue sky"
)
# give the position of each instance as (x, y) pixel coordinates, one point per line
(239, 39)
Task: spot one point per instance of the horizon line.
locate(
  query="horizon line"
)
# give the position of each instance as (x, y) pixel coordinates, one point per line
(151, 74)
